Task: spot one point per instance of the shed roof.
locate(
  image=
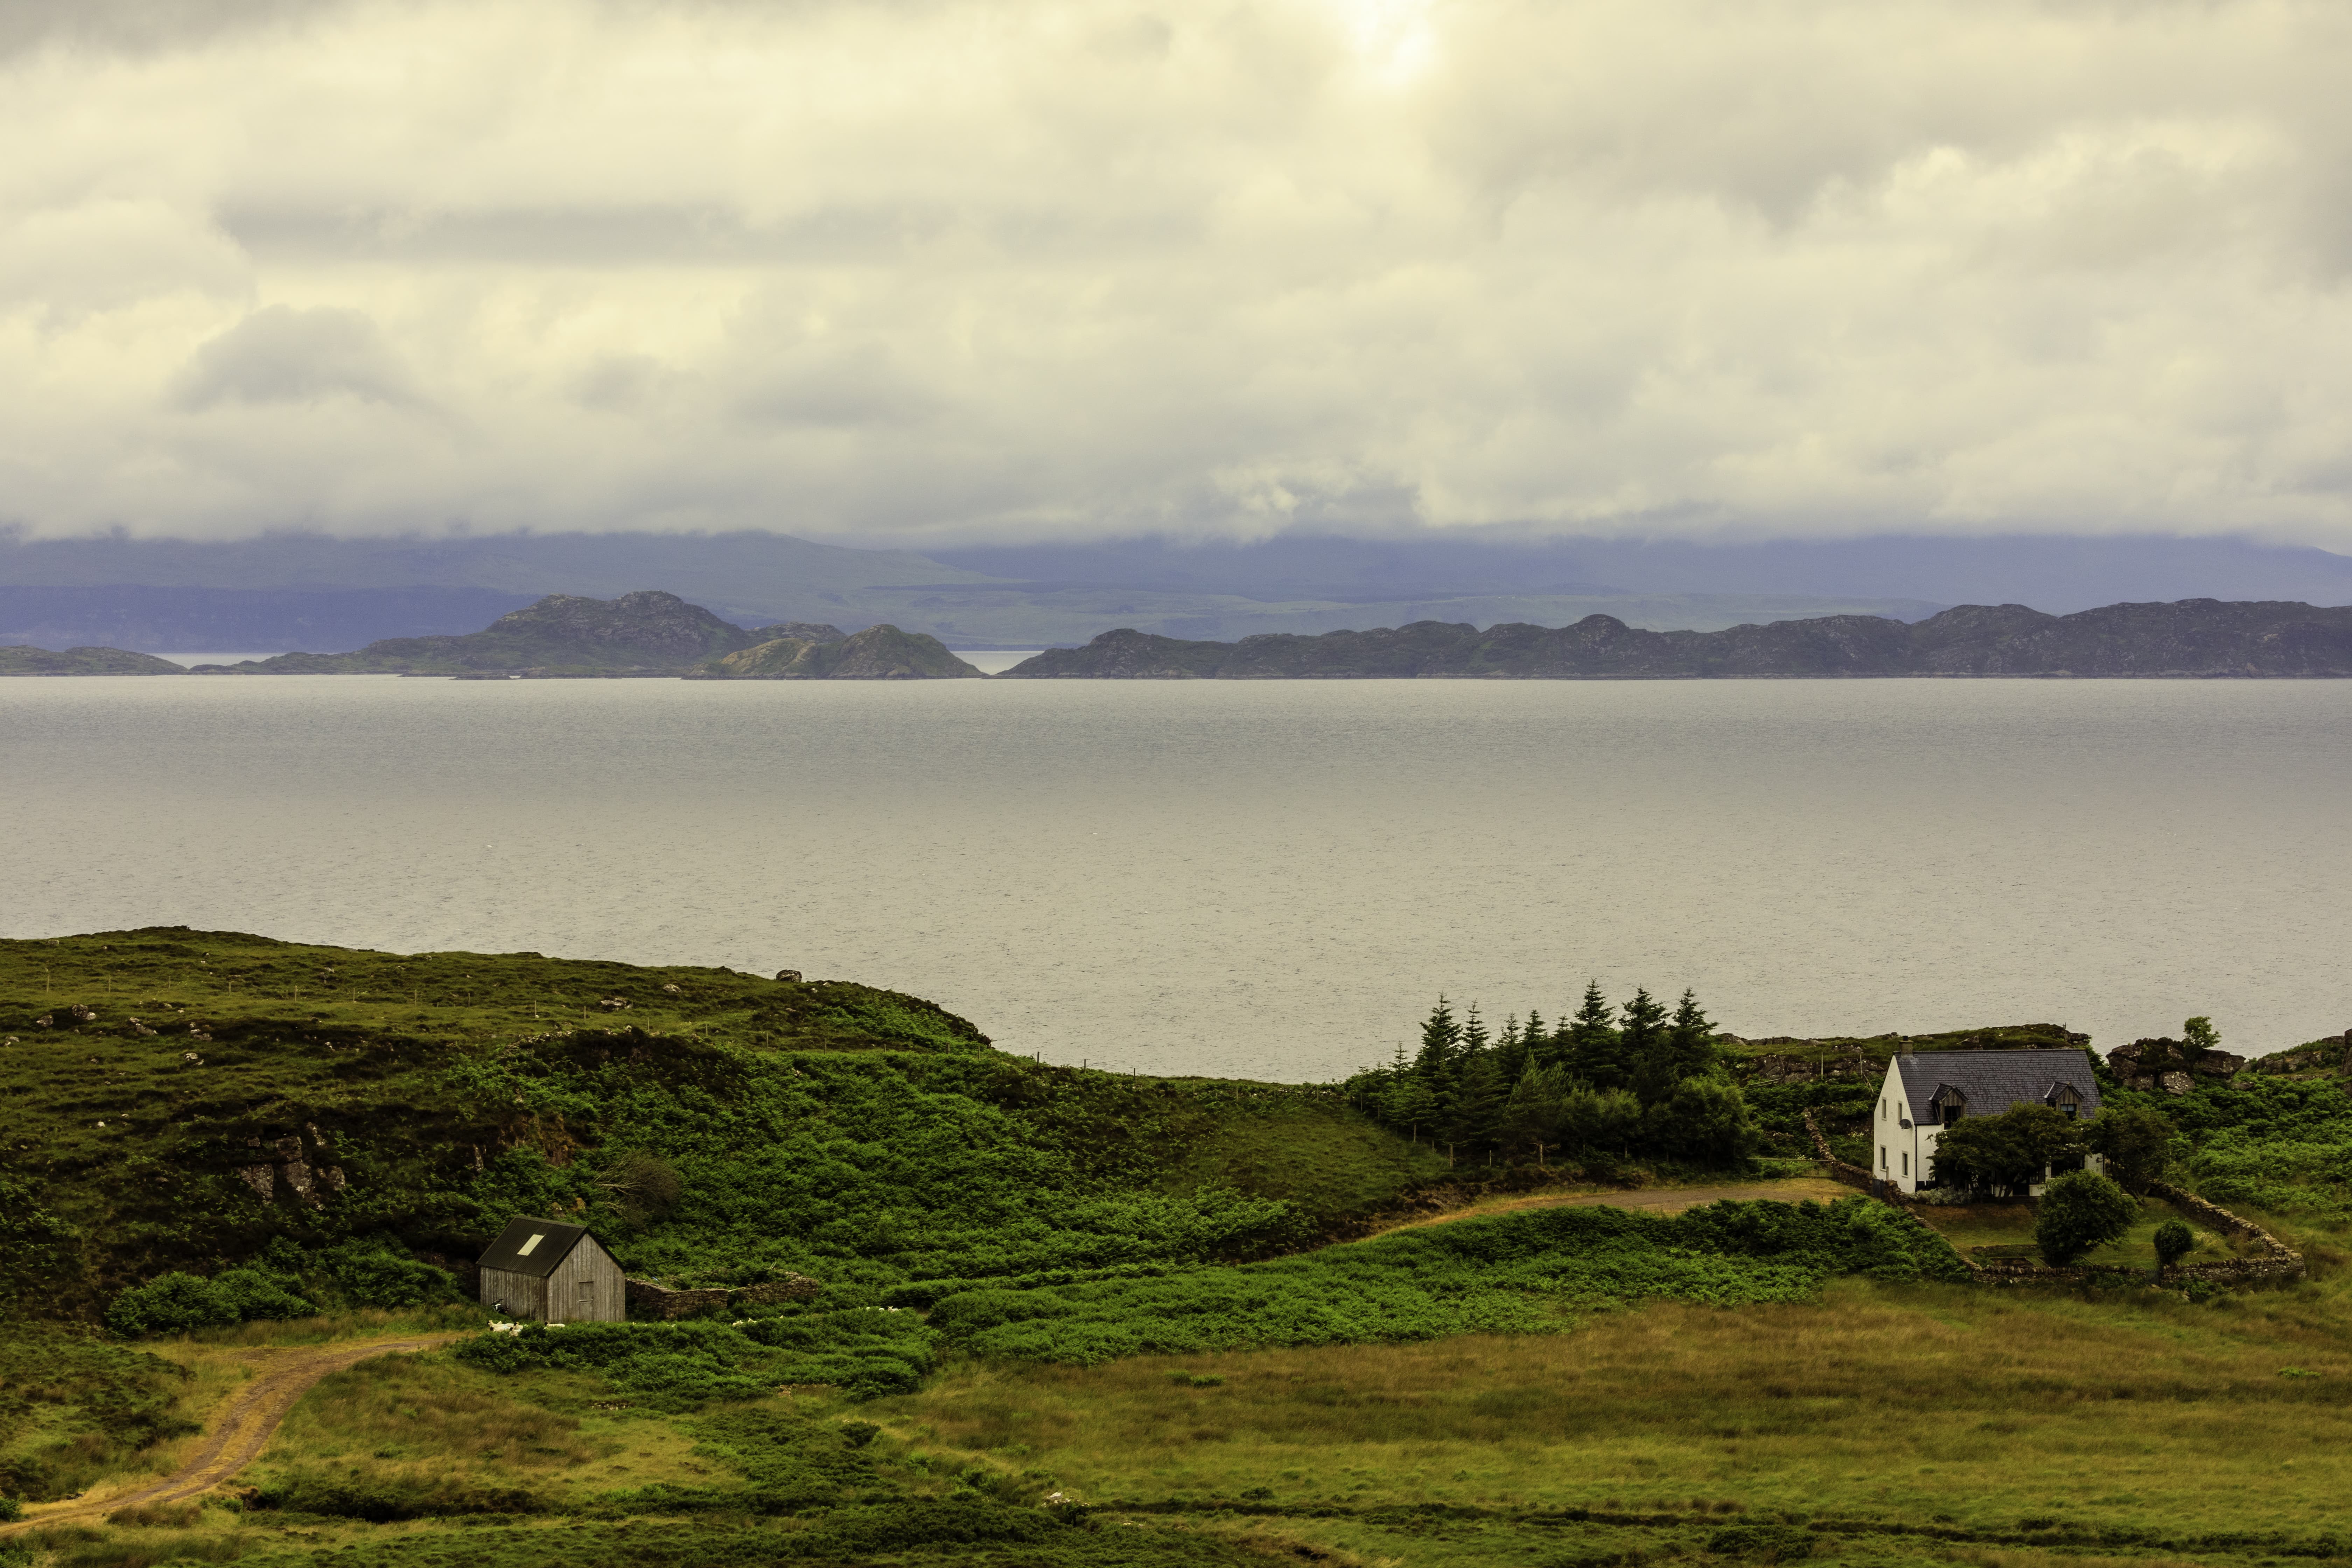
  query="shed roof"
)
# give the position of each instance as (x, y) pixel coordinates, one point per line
(1989, 1082)
(533, 1245)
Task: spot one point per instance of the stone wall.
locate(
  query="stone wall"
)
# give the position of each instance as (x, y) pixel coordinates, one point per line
(660, 1303)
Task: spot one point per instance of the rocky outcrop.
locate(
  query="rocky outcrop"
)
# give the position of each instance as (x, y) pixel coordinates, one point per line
(24, 660)
(877, 653)
(648, 632)
(2320, 1056)
(307, 1174)
(2192, 637)
(2169, 1067)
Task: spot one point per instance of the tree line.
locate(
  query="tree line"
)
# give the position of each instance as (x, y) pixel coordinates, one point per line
(1636, 1081)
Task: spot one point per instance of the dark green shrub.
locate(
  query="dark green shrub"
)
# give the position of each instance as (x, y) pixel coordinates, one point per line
(170, 1304)
(381, 1499)
(909, 1526)
(376, 1274)
(2173, 1242)
(973, 1311)
(11, 1511)
(2080, 1211)
(257, 1294)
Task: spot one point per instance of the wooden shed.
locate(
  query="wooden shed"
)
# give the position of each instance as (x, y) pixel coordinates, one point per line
(538, 1270)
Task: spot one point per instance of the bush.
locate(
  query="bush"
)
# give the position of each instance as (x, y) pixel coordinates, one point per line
(170, 1304)
(2173, 1242)
(376, 1274)
(257, 1294)
(2080, 1211)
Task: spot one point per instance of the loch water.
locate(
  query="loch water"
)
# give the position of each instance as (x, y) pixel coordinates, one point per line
(1272, 879)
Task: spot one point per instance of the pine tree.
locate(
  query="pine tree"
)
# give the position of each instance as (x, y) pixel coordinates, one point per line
(1690, 1039)
(1410, 1105)
(1642, 1042)
(1511, 1053)
(1474, 1121)
(1474, 1033)
(1441, 1043)
(1591, 1053)
(1532, 1114)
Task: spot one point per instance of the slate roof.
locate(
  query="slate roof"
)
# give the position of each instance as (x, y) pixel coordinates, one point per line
(1992, 1081)
(532, 1246)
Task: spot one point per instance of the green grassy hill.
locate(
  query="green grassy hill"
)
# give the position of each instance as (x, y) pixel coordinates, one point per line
(161, 1080)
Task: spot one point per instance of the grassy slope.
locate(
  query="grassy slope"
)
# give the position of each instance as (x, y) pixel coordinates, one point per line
(1874, 1406)
(852, 1133)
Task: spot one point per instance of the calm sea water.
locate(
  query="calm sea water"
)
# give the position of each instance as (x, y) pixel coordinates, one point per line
(1266, 878)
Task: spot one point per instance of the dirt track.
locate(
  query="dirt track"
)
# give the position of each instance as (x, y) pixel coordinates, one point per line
(1657, 1200)
(239, 1431)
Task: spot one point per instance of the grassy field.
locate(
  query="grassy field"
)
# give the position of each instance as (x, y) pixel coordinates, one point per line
(1882, 1424)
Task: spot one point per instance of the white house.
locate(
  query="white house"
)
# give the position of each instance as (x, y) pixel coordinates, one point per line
(1928, 1091)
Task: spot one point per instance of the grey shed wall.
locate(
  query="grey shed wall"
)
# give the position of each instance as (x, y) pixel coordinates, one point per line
(585, 1288)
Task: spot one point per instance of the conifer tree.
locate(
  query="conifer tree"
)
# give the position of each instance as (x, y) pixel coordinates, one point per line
(1591, 1052)
(1532, 1114)
(1409, 1106)
(1475, 1119)
(1474, 1037)
(1690, 1039)
(1511, 1056)
(1640, 1045)
(1537, 1040)
(1441, 1042)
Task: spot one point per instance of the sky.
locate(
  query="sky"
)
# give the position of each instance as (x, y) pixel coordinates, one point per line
(919, 271)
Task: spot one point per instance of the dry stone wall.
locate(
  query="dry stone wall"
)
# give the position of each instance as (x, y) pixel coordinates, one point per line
(661, 1303)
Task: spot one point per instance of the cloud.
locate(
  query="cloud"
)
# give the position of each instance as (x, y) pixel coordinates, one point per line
(951, 270)
(284, 356)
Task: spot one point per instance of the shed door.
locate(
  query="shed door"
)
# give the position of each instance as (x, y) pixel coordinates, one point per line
(587, 1299)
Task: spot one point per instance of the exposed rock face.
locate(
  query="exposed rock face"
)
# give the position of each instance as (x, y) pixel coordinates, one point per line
(877, 653)
(24, 660)
(2192, 637)
(648, 632)
(2167, 1064)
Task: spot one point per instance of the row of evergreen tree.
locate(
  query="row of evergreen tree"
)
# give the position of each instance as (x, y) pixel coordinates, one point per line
(1640, 1079)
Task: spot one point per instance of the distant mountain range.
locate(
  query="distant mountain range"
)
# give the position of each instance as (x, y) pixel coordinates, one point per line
(653, 633)
(330, 595)
(2193, 638)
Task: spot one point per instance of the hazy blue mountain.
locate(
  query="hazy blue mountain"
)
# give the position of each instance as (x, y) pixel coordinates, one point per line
(322, 620)
(336, 595)
(2056, 575)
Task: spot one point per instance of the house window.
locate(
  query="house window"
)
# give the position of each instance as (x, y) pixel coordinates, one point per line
(1906, 1162)
(1882, 1156)
(1952, 1114)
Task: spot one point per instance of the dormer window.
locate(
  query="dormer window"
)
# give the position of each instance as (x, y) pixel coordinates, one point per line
(1949, 1106)
(2067, 1101)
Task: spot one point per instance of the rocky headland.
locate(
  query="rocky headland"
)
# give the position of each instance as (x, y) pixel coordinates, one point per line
(2194, 637)
(22, 659)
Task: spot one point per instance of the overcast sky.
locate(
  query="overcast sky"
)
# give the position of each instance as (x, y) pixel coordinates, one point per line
(934, 271)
